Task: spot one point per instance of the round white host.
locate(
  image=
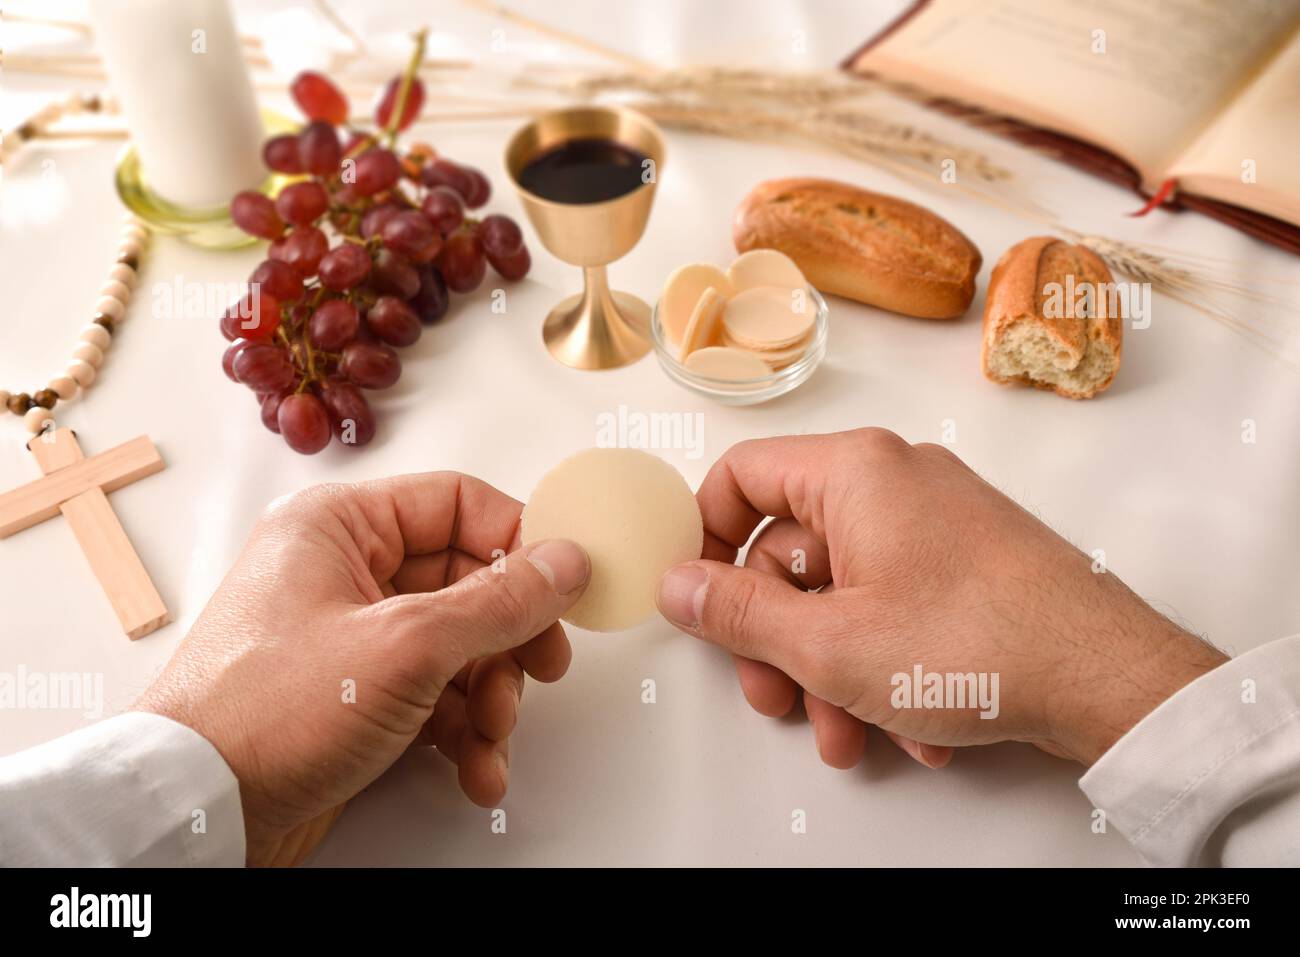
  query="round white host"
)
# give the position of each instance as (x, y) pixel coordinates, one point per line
(636, 517)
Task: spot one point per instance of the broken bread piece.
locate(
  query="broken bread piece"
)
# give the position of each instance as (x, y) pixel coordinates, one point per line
(1053, 319)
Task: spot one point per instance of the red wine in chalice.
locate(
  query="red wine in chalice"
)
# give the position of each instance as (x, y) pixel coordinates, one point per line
(582, 171)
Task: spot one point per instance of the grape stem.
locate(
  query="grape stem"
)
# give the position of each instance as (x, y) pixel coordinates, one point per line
(311, 366)
(404, 89)
(367, 140)
(299, 348)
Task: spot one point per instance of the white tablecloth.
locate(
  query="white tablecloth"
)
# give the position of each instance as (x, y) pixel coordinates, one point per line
(1155, 473)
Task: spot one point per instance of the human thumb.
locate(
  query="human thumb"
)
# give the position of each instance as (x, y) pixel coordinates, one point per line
(750, 613)
(497, 607)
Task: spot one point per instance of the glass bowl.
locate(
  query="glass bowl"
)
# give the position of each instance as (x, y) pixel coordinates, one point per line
(747, 391)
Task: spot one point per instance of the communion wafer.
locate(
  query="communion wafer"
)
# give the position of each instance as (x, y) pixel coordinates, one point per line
(773, 357)
(682, 293)
(726, 362)
(636, 517)
(705, 325)
(768, 317)
(764, 267)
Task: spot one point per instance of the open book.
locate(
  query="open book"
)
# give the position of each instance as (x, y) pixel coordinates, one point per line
(1205, 93)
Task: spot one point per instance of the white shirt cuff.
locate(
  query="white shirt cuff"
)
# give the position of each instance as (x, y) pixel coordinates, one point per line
(1212, 775)
(135, 790)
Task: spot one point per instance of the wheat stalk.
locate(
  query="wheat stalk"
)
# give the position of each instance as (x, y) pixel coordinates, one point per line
(572, 39)
(794, 89)
(1166, 275)
(853, 134)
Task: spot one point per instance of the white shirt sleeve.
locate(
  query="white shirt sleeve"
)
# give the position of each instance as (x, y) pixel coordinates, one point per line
(134, 790)
(1212, 776)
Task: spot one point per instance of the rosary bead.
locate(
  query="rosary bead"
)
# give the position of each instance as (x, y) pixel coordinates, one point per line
(37, 419)
(110, 307)
(65, 387)
(123, 274)
(46, 115)
(82, 371)
(96, 335)
(89, 353)
(94, 338)
(115, 289)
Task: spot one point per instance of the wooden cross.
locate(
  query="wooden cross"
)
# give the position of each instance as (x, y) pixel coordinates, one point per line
(76, 486)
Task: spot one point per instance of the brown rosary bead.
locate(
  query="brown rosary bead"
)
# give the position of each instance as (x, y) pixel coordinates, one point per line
(20, 403)
(45, 398)
(130, 260)
(104, 321)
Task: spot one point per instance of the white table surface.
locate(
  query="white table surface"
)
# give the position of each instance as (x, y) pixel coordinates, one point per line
(1155, 473)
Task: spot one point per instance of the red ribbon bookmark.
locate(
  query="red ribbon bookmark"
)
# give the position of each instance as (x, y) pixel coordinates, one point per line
(1165, 191)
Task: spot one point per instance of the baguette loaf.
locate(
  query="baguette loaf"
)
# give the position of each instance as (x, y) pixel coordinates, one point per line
(1051, 319)
(874, 248)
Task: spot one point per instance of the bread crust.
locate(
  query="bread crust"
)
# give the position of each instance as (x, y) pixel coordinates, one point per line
(1018, 293)
(865, 246)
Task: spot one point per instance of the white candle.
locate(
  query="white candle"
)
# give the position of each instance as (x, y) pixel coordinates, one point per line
(180, 76)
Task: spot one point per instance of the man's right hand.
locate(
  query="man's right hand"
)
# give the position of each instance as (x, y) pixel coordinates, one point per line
(884, 557)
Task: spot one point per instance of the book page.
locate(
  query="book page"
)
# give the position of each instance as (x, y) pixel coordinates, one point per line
(1140, 79)
(1250, 156)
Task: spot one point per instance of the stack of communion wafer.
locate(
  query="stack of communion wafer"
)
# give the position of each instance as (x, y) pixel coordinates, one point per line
(742, 324)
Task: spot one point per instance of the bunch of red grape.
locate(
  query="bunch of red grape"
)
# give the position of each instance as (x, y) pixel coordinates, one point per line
(323, 313)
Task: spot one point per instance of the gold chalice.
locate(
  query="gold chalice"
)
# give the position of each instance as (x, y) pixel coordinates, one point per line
(598, 328)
